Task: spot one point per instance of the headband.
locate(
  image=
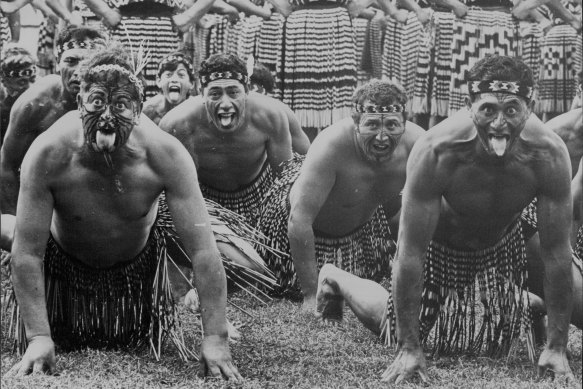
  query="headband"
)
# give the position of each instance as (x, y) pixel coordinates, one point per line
(205, 80)
(510, 87)
(379, 108)
(176, 58)
(89, 44)
(112, 67)
(18, 66)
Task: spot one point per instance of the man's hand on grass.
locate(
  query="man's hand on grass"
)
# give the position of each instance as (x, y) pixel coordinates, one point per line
(215, 359)
(407, 363)
(556, 363)
(38, 358)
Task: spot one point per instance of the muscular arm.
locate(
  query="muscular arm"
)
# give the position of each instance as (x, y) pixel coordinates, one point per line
(35, 210)
(299, 139)
(9, 7)
(524, 7)
(192, 14)
(419, 217)
(554, 212)
(20, 134)
(306, 198)
(279, 146)
(250, 9)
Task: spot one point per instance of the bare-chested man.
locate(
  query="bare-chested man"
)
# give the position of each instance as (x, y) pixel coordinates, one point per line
(41, 105)
(468, 180)
(175, 80)
(236, 138)
(349, 188)
(90, 186)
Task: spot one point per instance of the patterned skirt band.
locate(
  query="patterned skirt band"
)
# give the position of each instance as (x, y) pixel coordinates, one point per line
(319, 5)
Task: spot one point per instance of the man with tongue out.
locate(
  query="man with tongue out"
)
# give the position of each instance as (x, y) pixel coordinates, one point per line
(90, 186)
(237, 139)
(175, 80)
(461, 238)
(42, 105)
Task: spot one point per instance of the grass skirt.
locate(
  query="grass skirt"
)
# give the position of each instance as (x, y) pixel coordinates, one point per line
(455, 281)
(128, 305)
(245, 201)
(316, 68)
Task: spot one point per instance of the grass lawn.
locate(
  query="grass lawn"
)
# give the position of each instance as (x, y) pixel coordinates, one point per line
(281, 348)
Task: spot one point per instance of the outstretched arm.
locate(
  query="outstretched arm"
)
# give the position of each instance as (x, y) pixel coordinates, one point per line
(35, 210)
(192, 223)
(554, 212)
(110, 16)
(192, 14)
(9, 7)
(419, 217)
(307, 196)
(250, 9)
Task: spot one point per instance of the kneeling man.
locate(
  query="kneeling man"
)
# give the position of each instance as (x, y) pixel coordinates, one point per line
(90, 187)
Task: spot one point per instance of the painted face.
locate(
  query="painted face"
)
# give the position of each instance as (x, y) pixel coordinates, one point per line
(15, 86)
(499, 119)
(225, 104)
(109, 114)
(175, 85)
(378, 134)
(69, 68)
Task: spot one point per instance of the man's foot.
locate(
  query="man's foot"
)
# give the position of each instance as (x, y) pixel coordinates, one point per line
(330, 302)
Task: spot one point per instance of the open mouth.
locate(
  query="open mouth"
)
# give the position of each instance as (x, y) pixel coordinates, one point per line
(380, 146)
(74, 84)
(498, 143)
(226, 119)
(103, 141)
(174, 89)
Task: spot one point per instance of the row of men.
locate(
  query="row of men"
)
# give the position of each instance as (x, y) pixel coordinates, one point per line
(467, 183)
(314, 48)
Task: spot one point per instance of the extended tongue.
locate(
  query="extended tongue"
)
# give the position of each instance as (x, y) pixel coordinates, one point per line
(105, 142)
(225, 121)
(498, 144)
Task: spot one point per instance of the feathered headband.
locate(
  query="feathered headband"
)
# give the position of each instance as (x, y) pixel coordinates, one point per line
(113, 67)
(491, 86)
(18, 66)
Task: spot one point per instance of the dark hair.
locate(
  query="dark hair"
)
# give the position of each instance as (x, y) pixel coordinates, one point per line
(171, 62)
(379, 92)
(503, 68)
(15, 56)
(223, 63)
(79, 34)
(114, 54)
(262, 76)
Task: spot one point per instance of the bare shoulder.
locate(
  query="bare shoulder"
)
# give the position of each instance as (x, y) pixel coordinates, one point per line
(412, 133)
(266, 112)
(55, 146)
(568, 125)
(540, 136)
(162, 149)
(335, 141)
(38, 99)
(183, 116)
(153, 107)
(452, 134)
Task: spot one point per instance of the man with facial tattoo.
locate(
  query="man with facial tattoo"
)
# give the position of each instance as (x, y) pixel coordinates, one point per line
(348, 189)
(90, 187)
(237, 139)
(461, 239)
(42, 105)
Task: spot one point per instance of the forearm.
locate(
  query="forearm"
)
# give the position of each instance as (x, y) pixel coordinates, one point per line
(9, 7)
(409, 5)
(303, 249)
(561, 11)
(98, 7)
(407, 289)
(29, 287)
(60, 10)
(211, 285)
(282, 6)
(9, 191)
(558, 290)
(198, 9)
(249, 8)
